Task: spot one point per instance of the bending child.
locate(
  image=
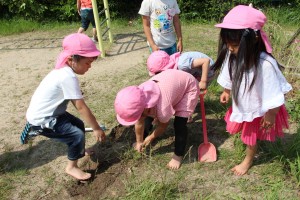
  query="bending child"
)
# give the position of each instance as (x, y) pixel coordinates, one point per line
(172, 92)
(196, 63)
(47, 113)
(251, 76)
(159, 20)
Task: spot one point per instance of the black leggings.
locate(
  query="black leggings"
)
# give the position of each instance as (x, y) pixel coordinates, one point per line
(181, 133)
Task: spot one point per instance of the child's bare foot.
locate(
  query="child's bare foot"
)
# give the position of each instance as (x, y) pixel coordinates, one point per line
(78, 173)
(175, 162)
(242, 168)
(148, 140)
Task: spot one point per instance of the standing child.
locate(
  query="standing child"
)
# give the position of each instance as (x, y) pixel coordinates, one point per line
(85, 10)
(252, 77)
(172, 92)
(47, 113)
(196, 63)
(160, 17)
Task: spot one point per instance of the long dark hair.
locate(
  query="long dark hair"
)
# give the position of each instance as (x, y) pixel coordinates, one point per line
(250, 48)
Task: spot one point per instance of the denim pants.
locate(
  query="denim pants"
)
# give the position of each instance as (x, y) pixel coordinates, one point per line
(69, 130)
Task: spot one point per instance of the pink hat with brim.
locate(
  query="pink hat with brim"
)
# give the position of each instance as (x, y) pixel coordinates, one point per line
(76, 44)
(159, 61)
(242, 17)
(131, 102)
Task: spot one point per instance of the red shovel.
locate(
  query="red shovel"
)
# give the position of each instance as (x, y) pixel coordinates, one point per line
(206, 151)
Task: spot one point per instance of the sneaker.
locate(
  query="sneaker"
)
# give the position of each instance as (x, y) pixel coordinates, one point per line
(28, 134)
(95, 39)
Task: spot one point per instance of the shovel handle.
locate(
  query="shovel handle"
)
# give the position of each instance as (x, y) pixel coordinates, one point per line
(202, 93)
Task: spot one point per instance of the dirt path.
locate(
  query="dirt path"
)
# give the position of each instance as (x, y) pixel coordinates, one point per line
(25, 60)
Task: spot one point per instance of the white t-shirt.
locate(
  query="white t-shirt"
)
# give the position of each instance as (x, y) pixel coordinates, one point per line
(267, 92)
(161, 14)
(52, 96)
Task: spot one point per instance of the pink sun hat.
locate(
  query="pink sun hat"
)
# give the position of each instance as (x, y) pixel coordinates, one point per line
(159, 61)
(131, 101)
(76, 44)
(242, 17)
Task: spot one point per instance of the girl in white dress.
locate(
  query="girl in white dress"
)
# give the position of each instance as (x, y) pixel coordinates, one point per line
(251, 76)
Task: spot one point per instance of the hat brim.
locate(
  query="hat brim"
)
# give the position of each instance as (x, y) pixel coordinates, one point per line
(94, 53)
(126, 123)
(230, 26)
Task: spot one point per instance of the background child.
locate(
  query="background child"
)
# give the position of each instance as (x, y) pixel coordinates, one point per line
(160, 17)
(85, 10)
(47, 110)
(172, 92)
(252, 77)
(196, 63)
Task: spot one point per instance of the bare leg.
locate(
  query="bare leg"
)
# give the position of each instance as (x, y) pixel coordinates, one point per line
(73, 170)
(245, 165)
(80, 30)
(175, 162)
(95, 34)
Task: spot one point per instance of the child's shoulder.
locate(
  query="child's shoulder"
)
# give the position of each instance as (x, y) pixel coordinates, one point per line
(267, 59)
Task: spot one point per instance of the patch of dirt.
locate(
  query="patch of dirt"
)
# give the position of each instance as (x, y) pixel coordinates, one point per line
(107, 167)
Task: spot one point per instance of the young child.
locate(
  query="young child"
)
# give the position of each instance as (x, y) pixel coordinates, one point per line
(196, 63)
(252, 77)
(85, 10)
(160, 17)
(47, 113)
(172, 92)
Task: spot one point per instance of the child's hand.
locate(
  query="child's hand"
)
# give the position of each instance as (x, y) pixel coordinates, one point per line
(154, 47)
(202, 85)
(99, 135)
(268, 120)
(148, 140)
(224, 98)
(138, 146)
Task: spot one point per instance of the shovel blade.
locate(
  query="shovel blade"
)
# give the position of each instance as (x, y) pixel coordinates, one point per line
(207, 152)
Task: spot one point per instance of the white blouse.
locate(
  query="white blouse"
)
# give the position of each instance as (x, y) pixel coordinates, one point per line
(267, 93)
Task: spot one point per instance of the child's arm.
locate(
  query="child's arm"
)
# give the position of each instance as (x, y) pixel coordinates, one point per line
(139, 134)
(147, 31)
(89, 118)
(159, 130)
(177, 27)
(224, 98)
(78, 6)
(268, 120)
(204, 64)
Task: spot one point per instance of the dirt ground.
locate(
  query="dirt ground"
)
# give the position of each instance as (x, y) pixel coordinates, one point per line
(25, 60)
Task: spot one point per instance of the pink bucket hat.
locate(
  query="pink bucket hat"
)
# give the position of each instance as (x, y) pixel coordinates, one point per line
(131, 102)
(159, 61)
(76, 44)
(242, 17)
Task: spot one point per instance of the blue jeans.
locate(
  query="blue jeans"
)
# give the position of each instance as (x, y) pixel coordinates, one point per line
(69, 130)
(87, 17)
(171, 50)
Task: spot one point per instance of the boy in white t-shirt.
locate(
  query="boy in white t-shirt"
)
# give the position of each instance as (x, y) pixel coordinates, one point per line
(160, 17)
(47, 113)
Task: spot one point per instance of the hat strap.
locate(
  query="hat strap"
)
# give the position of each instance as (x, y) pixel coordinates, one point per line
(266, 41)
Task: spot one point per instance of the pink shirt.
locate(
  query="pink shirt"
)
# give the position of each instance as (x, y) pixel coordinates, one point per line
(86, 4)
(179, 94)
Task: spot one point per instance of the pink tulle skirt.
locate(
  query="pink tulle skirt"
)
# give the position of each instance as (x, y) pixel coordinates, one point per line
(252, 131)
